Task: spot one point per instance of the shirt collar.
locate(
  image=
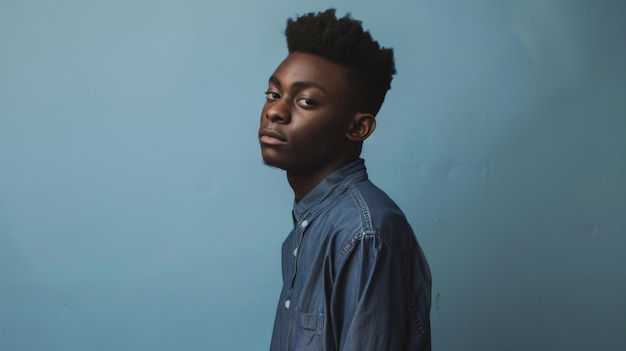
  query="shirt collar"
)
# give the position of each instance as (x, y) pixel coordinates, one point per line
(324, 193)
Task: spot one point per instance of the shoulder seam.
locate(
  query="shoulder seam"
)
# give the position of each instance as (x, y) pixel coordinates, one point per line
(366, 220)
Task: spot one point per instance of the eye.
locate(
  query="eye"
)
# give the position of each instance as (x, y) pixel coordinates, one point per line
(271, 96)
(307, 103)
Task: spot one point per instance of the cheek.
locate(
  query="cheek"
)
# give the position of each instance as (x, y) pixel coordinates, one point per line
(313, 130)
(319, 140)
(262, 113)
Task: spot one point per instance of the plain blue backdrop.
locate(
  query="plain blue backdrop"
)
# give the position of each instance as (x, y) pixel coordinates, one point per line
(136, 213)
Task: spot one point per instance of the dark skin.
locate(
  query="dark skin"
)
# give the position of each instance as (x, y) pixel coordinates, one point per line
(307, 126)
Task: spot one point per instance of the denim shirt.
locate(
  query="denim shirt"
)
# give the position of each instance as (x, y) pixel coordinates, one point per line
(354, 276)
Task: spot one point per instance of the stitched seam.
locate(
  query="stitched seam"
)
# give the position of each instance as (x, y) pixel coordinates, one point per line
(366, 226)
(366, 220)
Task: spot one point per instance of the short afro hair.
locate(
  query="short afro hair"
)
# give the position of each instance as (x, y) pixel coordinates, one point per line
(343, 41)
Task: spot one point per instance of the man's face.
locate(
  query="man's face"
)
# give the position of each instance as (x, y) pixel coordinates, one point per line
(305, 116)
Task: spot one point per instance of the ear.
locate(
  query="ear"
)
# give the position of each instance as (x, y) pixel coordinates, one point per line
(361, 126)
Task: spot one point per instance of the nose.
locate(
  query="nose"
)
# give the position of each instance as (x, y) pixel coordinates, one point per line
(277, 112)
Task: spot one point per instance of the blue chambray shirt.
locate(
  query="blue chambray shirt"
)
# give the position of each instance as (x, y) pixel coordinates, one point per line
(354, 276)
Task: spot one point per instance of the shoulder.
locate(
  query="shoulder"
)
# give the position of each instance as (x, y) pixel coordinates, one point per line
(365, 211)
(379, 213)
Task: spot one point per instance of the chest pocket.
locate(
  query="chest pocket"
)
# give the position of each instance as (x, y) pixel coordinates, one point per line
(308, 333)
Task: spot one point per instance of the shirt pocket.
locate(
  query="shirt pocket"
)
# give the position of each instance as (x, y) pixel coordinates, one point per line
(308, 333)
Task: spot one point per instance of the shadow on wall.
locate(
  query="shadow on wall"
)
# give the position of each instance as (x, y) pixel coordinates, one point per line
(18, 295)
(572, 42)
(543, 235)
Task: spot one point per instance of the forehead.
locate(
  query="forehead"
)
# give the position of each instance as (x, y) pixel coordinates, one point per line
(305, 67)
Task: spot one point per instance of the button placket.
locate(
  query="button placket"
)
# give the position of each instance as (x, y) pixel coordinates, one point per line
(299, 231)
(303, 224)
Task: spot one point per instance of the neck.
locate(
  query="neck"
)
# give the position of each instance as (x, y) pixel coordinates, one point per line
(303, 183)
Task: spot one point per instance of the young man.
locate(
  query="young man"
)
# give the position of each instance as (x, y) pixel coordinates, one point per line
(354, 276)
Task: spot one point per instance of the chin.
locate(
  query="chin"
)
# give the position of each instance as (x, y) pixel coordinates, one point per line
(273, 158)
(268, 161)
(272, 165)
(288, 167)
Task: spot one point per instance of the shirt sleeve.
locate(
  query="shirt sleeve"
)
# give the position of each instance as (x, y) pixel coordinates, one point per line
(376, 297)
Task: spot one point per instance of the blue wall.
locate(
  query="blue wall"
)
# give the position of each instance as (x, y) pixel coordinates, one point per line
(136, 214)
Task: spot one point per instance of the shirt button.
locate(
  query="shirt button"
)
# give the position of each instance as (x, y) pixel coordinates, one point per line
(304, 223)
(287, 303)
(295, 252)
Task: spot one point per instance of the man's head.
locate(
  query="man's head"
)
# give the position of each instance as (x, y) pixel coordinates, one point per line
(322, 99)
(369, 67)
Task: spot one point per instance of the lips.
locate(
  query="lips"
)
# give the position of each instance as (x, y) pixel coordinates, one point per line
(272, 137)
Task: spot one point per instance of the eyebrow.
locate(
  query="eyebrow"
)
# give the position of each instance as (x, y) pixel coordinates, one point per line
(299, 84)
